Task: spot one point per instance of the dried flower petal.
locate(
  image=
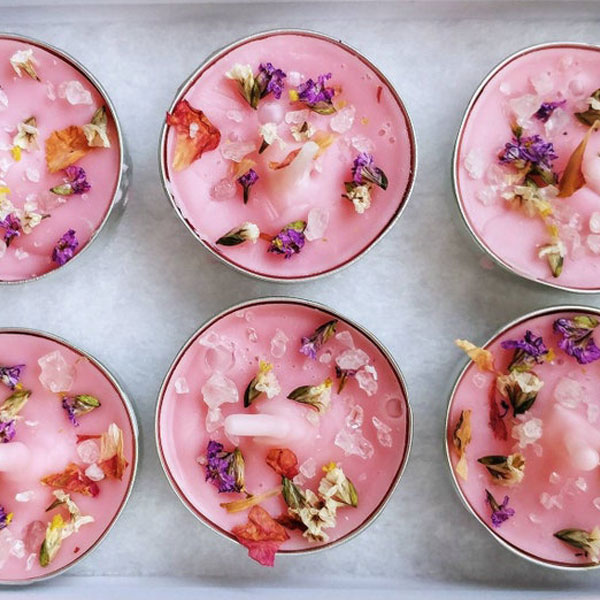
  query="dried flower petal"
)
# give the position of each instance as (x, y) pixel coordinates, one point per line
(77, 406)
(5, 518)
(316, 95)
(482, 358)
(224, 469)
(521, 388)
(572, 178)
(64, 250)
(505, 470)
(72, 479)
(245, 232)
(112, 457)
(359, 195)
(96, 132)
(250, 501)
(23, 60)
(313, 343)
(461, 438)
(318, 397)
(496, 419)
(577, 338)
(65, 147)
(286, 162)
(555, 255)
(27, 134)
(544, 112)
(290, 240)
(265, 382)
(262, 535)
(283, 461)
(247, 180)
(75, 182)
(13, 405)
(195, 134)
(7, 431)
(500, 512)
(533, 155)
(588, 541)
(529, 351)
(365, 171)
(592, 114)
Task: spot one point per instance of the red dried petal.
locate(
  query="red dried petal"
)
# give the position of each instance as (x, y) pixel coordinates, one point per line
(286, 162)
(283, 462)
(114, 467)
(496, 421)
(262, 535)
(187, 148)
(72, 479)
(84, 437)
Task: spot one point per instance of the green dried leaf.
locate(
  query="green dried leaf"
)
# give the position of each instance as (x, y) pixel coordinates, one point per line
(292, 494)
(591, 115)
(13, 405)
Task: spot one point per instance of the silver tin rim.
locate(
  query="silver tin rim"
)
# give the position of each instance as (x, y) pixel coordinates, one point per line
(514, 549)
(455, 162)
(129, 408)
(310, 304)
(119, 198)
(215, 56)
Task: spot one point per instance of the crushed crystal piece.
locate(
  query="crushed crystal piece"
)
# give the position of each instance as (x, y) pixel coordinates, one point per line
(505, 88)
(214, 419)
(18, 548)
(297, 117)
(95, 473)
(220, 353)
(593, 412)
(299, 480)
(343, 119)
(32, 174)
(74, 93)
(543, 83)
(362, 143)
(50, 91)
(30, 560)
(367, 379)
(21, 254)
(56, 374)
(252, 334)
(345, 338)
(595, 222)
(581, 484)
(236, 151)
(33, 536)
(524, 107)
(234, 115)
(224, 189)
(593, 243)
(474, 163)
(6, 542)
(554, 477)
(270, 112)
(549, 502)
(295, 78)
(596, 503)
(577, 86)
(527, 432)
(557, 123)
(354, 419)
(352, 359)
(181, 386)
(88, 451)
(316, 223)
(3, 100)
(279, 343)
(568, 392)
(534, 518)
(25, 496)
(312, 417)
(479, 380)
(325, 357)
(384, 432)
(309, 468)
(353, 442)
(218, 390)
(486, 196)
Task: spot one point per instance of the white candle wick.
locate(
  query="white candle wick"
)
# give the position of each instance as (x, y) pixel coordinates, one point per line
(273, 426)
(14, 456)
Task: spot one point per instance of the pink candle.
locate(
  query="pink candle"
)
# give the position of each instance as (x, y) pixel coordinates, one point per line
(256, 142)
(61, 159)
(523, 436)
(526, 194)
(240, 389)
(68, 453)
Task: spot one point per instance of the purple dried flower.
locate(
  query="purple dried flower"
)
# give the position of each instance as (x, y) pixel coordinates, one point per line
(316, 95)
(544, 112)
(528, 351)
(248, 179)
(290, 240)
(10, 376)
(7, 431)
(75, 182)
(313, 343)
(12, 228)
(531, 149)
(68, 403)
(500, 512)
(577, 340)
(5, 518)
(342, 375)
(225, 470)
(364, 170)
(270, 80)
(65, 248)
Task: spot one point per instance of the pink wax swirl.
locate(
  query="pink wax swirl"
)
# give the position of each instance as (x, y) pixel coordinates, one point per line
(365, 431)
(51, 440)
(559, 437)
(62, 97)
(369, 119)
(564, 74)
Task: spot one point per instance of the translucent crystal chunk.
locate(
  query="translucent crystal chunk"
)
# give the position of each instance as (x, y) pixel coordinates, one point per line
(474, 163)
(367, 379)
(557, 123)
(543, 83)
(32, 174)
(486, 196)
(362, 143)
(524, 107)
(88, 451)
(581, 484)
(309, 468)
(593, 412)
(33, 536)
(593, 243)
(56, 374)
(234, 115)
(3, 100)
(343, 119)
(224, 189)
(352, 359)
(527, 432)
(95, 473)
(220, 353)
(345, 338)
(384, 432)
(218, 390)
(354, 419)
(595, 222)
(353, 442)
(279, 343)
(252, 334)
(316, 223)
(297, 117)
(181, 386)
(74, 93)
(554, 477)
(6, 542)
(18, 548)
(596, 502)
(214, 419)
(236, 151)
(568, 392)
(325, 357)
(534, 518)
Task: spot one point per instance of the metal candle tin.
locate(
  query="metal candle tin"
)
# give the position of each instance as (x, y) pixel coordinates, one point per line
(215, 57)
(119, 199)
(514, 549)
(134, 459)
(456, 163)
(310, 304)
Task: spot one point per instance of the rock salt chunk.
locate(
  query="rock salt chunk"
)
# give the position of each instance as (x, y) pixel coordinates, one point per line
(74, 93)
(527, 432)
(354, 419)
(25, 496)
(595, 222)
(279, 343)
(18, 548)
(88, 451)
(95, 473)
(524, 107)
(236, 151)
(384, 432)
(345, 338)
(3, 100)
(32, 174)
(352, 359)
(181, 386)
(474, 163)
(581, 484)
(543, 83)
(252, 334)
(354, 443)
(367, 379)
(486, 196)
(557, 123)
(234, 115)
(270, 112)
(362, 143)
(596, 503)
(568, 392)
(224, 189)
(21, 254)
(218, 390)
(220, 353)
(325, 357)
(56, 374)
(554, 477)
(6, 542)
(343, 119)
(309, 468)
(316, 223)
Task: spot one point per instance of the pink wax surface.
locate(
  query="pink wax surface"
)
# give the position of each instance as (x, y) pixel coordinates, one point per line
(532, 527)
(46, 430)
(573, 74)
(183, 437)
(31, 255)
(380, 126)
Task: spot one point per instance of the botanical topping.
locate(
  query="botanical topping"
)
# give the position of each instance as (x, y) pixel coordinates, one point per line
(481, 357)
(592, 114)
(316, 95)
(544, 112)
(283, 461)
(577, 338)
(225, 470)
(254, 87)
(77, 406)
(27, 135)
(64, 250)
(247, 180)
(238, 235)
(72, 479)
(112, 456)
(572, 178)
(5, 518)
(364, 175)
(461, 438)
(318, 397)
(265, 382)
(65, 147)
(588, 541)
(521, 388)
(13, 405)
(290, 240)
(23, 61)
(500, 512)
(313, 343)
(96, 132)
(505, 470)
(75, 182)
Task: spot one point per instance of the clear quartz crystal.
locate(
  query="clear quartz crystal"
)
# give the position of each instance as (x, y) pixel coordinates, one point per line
(362, 143)
(309, 468)
(543, 83)
(367, 379)
(252, 335)
(270, 112)
(3, 100)
(593, 243)
(95, 473)
(474, 163)
(581, 484)
(236, 151)
(88, 451)
(279, 343)
(33, 536)
(181, 386)
(25, 496)
(219, 390)
(224, 189)
(325, 357)
(74, 93)
(595, 222)
(234, 115)
(345, 338)
(527, 432)
(56, 374)
(6, 542)
(343, 119)
(593, 412)
(524, 107)
(316, 223)
(554, 477)
(353, 359)
(534, 518)
(596, 502)
(384, 432)
(220, 352)
(557, 123)
(214, 419)
(354, 419)
(32, 174)
(568, 392)
(18, 548)
(486, 196)
(353, 442)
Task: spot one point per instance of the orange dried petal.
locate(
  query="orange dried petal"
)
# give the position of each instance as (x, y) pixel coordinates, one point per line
(572, 179)
(262, 535)
(283, 461)
(286, 162)
(114, 467)
(65, 147)
(72, 479)
(188, 148)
